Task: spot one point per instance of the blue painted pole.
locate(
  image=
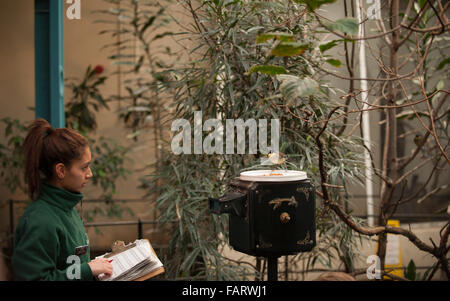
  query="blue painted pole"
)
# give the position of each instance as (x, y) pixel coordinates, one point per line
(49, 61)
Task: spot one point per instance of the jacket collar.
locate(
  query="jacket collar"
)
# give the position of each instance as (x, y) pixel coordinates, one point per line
(59, 197)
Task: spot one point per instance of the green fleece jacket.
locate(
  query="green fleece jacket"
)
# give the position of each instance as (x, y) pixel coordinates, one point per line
(48, 233)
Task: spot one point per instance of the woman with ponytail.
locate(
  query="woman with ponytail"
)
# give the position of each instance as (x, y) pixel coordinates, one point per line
(50, 242)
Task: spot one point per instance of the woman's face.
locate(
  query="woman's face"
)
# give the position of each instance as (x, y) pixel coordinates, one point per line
(76, 176)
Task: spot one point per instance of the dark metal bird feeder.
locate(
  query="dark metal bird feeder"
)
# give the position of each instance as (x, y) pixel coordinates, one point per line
(271, 214)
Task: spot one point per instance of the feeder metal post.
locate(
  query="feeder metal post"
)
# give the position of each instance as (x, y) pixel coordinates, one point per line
(272, 268)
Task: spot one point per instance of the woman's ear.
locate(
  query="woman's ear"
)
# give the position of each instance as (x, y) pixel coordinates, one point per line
(60, 171)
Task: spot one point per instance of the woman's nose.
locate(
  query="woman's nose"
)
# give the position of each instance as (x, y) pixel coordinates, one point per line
(89, 175)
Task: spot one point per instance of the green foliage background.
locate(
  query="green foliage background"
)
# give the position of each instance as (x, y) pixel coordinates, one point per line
(250, 59)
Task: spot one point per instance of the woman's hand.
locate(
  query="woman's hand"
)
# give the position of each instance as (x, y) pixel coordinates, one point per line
(101, 266)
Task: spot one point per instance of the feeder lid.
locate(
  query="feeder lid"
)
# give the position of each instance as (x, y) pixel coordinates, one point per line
(273, 175)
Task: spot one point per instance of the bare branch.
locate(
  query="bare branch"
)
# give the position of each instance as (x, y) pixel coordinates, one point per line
(433, 129)
(319, 17)
(380, 229)
(323, 174)
(425, 137)
(421, 189)
(406, 174)
(395, 277)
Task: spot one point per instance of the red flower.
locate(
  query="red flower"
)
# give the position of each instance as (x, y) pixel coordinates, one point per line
(99, 69)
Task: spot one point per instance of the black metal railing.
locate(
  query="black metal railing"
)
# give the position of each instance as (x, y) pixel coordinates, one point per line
(139, 223)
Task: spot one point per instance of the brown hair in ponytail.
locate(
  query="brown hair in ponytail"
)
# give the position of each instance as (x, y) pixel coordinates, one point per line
(44, 147)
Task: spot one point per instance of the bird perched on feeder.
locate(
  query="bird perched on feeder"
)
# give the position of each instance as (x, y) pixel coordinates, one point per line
(274, 160)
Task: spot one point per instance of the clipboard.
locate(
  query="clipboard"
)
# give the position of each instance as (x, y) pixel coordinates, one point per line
(156, 272)
(119, 247)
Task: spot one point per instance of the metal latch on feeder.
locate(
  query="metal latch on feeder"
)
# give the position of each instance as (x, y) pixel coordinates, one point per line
(232, 203)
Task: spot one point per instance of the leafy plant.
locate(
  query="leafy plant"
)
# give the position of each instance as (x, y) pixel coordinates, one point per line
(411, 273)
(108, 164)
(141, 26)
(247, 62)
(12, 163)
(86, 100)
(194, 250)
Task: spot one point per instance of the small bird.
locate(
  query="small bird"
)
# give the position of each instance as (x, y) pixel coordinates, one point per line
(274, 160)
(117, 246)
(418, 139)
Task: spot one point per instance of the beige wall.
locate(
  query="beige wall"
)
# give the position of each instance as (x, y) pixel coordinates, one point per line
(17, 59)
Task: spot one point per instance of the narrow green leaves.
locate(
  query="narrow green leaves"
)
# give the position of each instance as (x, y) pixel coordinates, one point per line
(148, 24)
(293, 87)
(443, 63)
(281, 36)
(345, 25)
(268, 69)
(287, 46)
(151, 20)
(314, 4)
(334, 62)
(289, 49)
(410, 271)
(329, 45)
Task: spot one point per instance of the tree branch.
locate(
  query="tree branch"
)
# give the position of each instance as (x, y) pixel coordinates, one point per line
(323, 174)
(425, 137)
(433, 129)
(381, 229)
